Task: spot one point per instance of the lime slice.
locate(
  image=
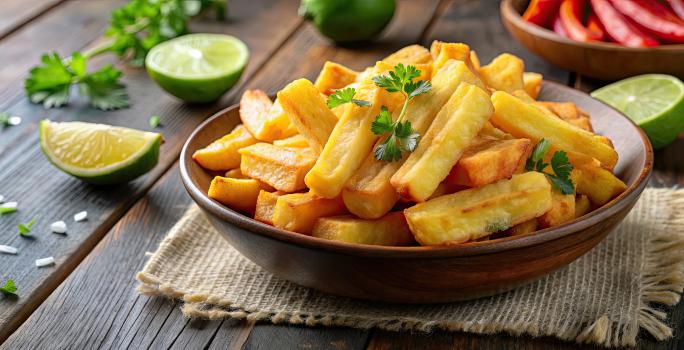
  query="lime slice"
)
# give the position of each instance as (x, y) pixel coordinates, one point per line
(655, 102)
(198, 67)
(98, 153)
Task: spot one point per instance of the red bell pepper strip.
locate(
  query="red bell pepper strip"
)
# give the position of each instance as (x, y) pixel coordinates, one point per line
(595, 26)
(663, 10)
(618, 28)
(541, 12)
(650, 20)
(678, 7)
(570, 15)
(558, 27)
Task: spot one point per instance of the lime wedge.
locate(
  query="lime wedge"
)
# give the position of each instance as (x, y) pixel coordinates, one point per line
(98, 153)
(655, 102)
(198, 67)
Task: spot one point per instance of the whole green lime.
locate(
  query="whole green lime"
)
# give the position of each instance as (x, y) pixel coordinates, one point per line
(348, 21)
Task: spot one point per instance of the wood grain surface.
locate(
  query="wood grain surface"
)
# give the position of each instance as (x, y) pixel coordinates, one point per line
(92, 303)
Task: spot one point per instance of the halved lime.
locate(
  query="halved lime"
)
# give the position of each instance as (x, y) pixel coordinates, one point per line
(98, 153)
(198, 67)
(655, 102)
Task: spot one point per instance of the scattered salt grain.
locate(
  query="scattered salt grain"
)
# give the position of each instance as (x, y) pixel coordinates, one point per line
(45, 262)
(14, 120)
(8, 250)
(80, 216)
(58, 227)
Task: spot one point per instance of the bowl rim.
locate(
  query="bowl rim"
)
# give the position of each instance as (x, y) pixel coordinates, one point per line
(509, 13)
(625, 199)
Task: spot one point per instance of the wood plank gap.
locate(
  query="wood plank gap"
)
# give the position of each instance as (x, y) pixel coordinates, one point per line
(30, 19)
(206, 346)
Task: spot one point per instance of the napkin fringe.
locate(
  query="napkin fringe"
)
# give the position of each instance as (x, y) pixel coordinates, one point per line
(662, 280)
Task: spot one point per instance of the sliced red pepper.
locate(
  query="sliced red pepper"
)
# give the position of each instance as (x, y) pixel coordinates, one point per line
(541, 12)
(618, 28)
(570, 15)
(648, 18)
(663, 10)
(595, 26)
(558, 27)
(678, 7)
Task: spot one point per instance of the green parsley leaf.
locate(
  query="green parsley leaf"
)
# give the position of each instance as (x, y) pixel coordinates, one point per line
(414, 89)
(9, 288)
(388, 151)
(497, 226)
(4, 119)
(49, 82)
(7, 210)
(346, 95)
(155, 121)
(383, 122)
(24, 229)
(408, 139)
(104, 89)
(560, 165)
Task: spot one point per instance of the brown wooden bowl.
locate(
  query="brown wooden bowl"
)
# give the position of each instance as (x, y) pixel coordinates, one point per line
(597, 59)
(425, 274)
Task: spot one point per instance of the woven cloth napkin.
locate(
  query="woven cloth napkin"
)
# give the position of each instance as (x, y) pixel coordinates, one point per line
(605, 297)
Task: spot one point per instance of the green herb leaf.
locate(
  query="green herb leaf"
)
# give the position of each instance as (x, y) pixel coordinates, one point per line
(560, 165)
(383, 122)
(346, 95)
(9, 288)
(497, 226)
(104, 89)
(49, 82)
(408, 139)
(24, 229)
(414, 89)
(388, 151)
(4, 119)
(7, 210)
(155, 121)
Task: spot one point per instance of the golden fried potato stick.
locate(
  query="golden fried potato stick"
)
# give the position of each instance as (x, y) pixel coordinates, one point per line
(474, 213)
(442, 52)
(490, 160)
(308, 112)
(562, 210)
(238, 194)
(412, 54)
(369, 194)
(298, 212)
(222, 154)
(504, 73)
(525, 120)
(265, 205)
(453, 130)
(298, 141)
(582, 205)
(283, 168)
(523, 228)
(389, 230)
(334, 76)
(532, 83)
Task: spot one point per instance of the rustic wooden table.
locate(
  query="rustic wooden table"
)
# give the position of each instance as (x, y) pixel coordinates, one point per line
(88, 299)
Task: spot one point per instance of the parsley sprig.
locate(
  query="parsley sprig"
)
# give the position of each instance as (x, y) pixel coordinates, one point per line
(24, 229)
(346, 95)
(9, 288)
(559, 164)
(134, 29)
(402, 137)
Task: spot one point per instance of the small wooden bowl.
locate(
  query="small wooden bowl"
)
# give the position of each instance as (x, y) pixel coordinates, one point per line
(596, 59)
(425, 274)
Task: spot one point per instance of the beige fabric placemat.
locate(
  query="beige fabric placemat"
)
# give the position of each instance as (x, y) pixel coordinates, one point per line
(604, 297)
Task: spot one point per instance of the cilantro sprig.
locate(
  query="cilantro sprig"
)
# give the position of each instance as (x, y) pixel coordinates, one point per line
(402, 137)
(346, 95)
(560, 165)
(9, 288)
(134, 29)
(25, 229)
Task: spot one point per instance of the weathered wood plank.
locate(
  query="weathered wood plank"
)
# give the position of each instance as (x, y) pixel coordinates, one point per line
(17, 13)
(269, 336)
(23, 166)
